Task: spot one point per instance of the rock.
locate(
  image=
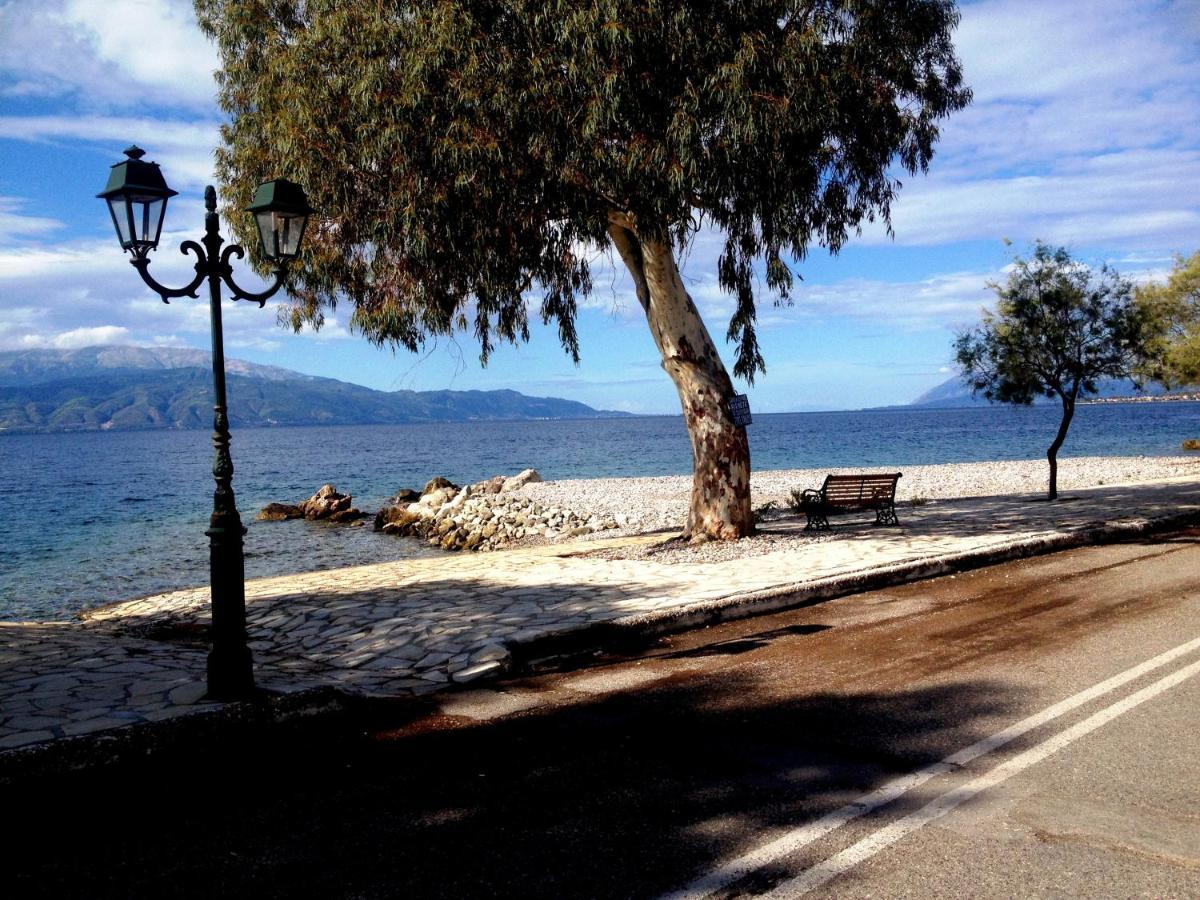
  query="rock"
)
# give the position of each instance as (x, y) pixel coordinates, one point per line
(438, 497)
(347, 515)
(279, 512)
(394, 514)
(578, 532)
(490, 486)
(403, 497)
(490, 653)
(438, 483)
(325, 502)
(406, 526)
(521, 479)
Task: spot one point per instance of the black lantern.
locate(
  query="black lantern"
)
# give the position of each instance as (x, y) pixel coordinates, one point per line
(281, 211)
(137, 200)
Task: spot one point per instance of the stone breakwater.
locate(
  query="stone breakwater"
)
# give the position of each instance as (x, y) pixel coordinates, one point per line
(487, 515)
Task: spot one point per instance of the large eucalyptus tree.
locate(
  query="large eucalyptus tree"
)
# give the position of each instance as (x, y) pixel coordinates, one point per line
(470, 156)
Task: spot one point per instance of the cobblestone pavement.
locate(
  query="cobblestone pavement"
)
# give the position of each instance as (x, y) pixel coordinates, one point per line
(415, 626)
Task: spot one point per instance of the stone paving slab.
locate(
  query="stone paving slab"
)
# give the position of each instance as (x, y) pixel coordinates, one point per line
(416, 626)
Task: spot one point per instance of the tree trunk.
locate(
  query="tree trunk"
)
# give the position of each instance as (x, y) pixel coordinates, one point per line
(1052, 454)
(720, 501)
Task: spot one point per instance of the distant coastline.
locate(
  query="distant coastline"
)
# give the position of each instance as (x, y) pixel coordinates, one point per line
(143, 389)
(1188, 397)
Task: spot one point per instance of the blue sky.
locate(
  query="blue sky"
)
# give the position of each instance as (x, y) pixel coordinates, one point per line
(1085, 131)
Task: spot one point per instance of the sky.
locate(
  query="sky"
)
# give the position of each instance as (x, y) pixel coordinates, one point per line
(1084, 132)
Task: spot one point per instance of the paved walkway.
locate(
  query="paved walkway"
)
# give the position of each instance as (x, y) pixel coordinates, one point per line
(412, 627)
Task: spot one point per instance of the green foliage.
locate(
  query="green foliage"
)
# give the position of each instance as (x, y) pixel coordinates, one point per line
(1057, 328)
(795, 497)
(467, 153)
(1174, 307)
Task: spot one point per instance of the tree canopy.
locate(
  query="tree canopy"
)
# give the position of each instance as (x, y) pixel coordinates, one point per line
(1175, 308)
(1058, 328)
(466, 154)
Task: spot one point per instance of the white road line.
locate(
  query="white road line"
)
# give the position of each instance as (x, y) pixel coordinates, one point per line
(835, 865)
(725, 875)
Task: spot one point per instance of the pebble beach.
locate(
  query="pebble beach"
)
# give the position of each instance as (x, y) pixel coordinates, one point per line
(642, 505)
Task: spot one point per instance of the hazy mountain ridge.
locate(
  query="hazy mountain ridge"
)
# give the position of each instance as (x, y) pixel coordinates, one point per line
(27, 367)
(103, 388)
(954, 393)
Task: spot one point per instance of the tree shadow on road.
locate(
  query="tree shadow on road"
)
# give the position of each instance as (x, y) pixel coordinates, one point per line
(625, 796)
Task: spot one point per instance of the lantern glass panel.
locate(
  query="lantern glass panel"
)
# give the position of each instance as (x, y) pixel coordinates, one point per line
(291, 229)
(280, 233)
(152, 220)
(266, 233)
(120, 211)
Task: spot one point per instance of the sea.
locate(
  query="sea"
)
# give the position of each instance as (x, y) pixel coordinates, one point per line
(89, 518)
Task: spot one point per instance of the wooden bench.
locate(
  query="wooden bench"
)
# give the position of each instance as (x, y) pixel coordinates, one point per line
(843, 493)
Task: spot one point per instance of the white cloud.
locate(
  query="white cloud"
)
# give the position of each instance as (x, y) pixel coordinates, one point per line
(106, 53)
(1133, 199)
(88, 289)
(1084, 130)
(184, 149)
(15, 224)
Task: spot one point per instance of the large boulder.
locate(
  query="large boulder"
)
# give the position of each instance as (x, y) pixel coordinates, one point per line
(280, 512)
(521, 479)
(433, 500)
(438, 483)
(325, 503)
(401, 523)
(391, 515)
(403, 497)
(489, 486)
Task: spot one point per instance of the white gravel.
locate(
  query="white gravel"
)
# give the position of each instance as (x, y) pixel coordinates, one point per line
(652, 504)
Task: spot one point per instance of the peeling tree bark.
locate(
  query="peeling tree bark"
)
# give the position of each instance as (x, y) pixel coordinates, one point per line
(720, 501)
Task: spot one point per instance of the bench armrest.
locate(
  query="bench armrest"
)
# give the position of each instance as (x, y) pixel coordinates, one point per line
(811, 497)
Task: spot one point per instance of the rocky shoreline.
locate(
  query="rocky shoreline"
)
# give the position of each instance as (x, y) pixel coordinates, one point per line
(487, 515)
(523, 509)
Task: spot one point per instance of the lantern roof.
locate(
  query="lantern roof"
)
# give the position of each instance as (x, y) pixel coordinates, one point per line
(281, 196)
(133, 176)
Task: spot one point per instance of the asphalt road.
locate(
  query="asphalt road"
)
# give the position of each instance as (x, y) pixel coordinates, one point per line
(770, 756)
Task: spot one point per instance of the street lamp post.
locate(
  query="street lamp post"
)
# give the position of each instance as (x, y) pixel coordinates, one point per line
(137, 197)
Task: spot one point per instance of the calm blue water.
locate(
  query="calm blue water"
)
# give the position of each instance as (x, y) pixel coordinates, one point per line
(92, 518)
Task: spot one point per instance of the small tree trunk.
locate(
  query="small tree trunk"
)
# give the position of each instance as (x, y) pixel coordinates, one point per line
(720, 501)
(1052, 454)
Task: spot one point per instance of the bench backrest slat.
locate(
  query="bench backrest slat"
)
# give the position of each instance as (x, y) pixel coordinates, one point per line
(850, 489)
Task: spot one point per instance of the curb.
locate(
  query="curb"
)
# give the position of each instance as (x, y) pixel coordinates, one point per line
(557, 649)
(203, 725)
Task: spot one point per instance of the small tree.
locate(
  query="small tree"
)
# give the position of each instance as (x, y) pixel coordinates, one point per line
(470, 156)
(1174, 307)
(1057, 329)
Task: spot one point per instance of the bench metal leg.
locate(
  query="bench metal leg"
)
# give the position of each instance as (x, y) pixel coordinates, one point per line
(816, 522)
(886, 515)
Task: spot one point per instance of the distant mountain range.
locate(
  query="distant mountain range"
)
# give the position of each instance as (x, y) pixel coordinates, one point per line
(103, 388)
(954, 393)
